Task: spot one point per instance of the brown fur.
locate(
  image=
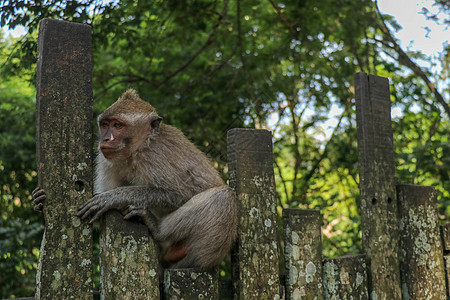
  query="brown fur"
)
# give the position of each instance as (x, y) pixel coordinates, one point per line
(162, 177)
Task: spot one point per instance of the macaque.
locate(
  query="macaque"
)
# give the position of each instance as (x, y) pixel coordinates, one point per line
(148, 169)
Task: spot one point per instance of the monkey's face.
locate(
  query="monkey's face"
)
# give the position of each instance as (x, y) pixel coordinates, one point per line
(114, 136)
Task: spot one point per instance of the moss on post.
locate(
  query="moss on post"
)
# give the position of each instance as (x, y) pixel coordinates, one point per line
(255, 255)
(303, 254)
(421, 260)
(191, 284)
(128, 260)
(346, 277)
(64, 158)
(445, 234)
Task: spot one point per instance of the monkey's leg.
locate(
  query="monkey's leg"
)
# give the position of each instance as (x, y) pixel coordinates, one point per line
(205, 225)
(175, 253)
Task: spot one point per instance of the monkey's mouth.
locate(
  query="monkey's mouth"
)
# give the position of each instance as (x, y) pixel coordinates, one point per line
(108, 151)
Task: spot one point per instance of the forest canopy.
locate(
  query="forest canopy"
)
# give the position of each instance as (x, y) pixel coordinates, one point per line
(209, 66)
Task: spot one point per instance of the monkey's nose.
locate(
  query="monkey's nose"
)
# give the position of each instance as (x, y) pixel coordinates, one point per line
(107, 138)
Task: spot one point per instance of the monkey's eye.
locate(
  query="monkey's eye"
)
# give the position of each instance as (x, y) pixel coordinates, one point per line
(118, 125)
(104, 124)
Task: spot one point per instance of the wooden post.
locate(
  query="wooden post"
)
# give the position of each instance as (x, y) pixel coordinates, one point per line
(128, 260)
(303, 254)
(64, 158)
(421, 260)
(445, 235)
(346, 277)
(191, 284)
(379, 220)
(255, 255)
(447, 274)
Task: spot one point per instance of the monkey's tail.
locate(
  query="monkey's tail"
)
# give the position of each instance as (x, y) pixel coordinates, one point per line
(206, 224)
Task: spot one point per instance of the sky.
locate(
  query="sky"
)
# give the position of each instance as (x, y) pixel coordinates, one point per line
(414, 35)
(417, 34)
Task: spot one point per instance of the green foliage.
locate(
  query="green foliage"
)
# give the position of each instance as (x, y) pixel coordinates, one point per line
(20, 228)
(209, 66)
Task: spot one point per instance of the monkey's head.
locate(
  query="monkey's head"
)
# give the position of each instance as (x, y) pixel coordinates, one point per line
(126, 124)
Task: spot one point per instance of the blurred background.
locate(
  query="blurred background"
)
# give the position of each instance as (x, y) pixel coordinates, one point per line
(209, 66)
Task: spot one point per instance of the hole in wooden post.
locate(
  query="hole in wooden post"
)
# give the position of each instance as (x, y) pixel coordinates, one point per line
(79, 186)
(389, 200)
(374, 201)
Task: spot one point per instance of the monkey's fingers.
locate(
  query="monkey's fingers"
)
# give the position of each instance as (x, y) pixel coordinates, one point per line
(132, 209)
(39, 199)
(98, 214)
(86, 210)
(37, 193)
(82, 211)
(38, 207)
(127, 210)
(87, 206)
(36, 190)
(91, 211)
(145, 217)
(134, 212)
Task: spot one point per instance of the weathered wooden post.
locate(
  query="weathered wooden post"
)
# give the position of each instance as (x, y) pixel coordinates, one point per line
(421, 259)
(128, 260)
(379, 220)
(191, 284)
(303, 253)
(255, 255)
(445, 235)
(64, 158)
(346, 277)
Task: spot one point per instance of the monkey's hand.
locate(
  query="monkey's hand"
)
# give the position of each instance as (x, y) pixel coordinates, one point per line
(38, 198)
(146, 216)
(122, 197)
(100, 204)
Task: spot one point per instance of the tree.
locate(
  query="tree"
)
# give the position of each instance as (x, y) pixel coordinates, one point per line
(20, 228)
(209, 66)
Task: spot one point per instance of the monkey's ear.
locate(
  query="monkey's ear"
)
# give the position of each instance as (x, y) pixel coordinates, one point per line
(154, 124)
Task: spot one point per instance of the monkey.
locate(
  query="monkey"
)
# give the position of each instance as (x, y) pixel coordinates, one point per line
(148, 169)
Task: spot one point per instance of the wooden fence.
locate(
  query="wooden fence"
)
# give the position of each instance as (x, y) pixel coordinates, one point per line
(404, 248)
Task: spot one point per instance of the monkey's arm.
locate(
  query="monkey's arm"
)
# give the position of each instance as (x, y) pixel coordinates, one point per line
(121, 198)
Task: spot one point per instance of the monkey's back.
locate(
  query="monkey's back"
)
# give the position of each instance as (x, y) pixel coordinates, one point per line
(172, 162)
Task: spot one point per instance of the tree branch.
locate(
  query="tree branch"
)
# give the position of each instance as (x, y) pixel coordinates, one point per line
(203, 47)
(170, 75)
(404, 59)
(316, 165)
(283, 19)
(283, 181)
